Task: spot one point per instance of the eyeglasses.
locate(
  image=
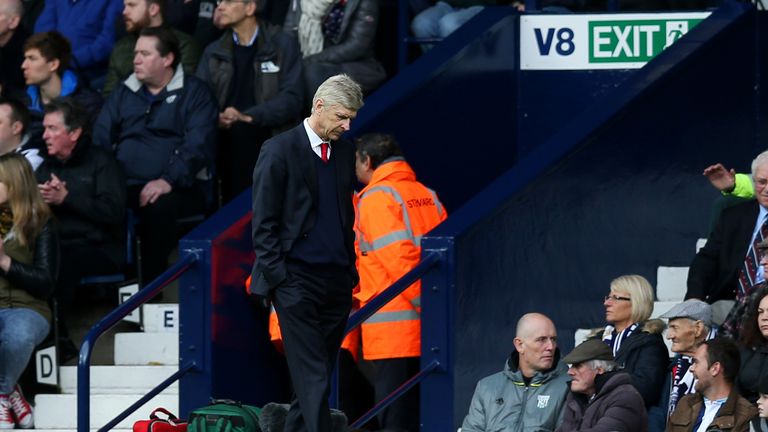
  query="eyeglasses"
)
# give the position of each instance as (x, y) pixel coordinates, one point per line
(229, 2)
(615, 298)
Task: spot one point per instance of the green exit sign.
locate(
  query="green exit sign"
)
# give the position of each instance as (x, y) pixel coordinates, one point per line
(634, 40)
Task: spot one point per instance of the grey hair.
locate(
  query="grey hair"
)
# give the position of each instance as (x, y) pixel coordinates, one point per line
(12, 8)
(606, 365)
(339, 90)
(760, 160)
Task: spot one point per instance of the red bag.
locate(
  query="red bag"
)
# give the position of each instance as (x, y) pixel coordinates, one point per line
(157, 424)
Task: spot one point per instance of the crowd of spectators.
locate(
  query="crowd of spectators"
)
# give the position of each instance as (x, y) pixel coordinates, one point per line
(718, 376)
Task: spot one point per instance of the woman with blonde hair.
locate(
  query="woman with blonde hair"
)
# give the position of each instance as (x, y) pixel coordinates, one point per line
(635, 341)
(28, 264)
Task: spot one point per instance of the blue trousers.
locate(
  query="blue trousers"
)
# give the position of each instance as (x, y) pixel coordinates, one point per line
(21, 330)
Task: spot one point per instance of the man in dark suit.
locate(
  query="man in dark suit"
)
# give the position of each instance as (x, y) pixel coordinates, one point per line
(717, 268)
(303, 238)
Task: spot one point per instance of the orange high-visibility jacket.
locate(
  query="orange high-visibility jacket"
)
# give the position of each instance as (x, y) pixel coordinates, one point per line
(393, 213)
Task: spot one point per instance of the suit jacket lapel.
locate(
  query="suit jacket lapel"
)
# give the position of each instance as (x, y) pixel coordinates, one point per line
(305, 157)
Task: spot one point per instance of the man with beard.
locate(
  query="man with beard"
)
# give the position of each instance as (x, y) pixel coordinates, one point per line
(530, 391)
(139, 14)
(716, 403)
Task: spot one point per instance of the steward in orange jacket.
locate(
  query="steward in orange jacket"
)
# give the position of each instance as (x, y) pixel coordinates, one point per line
(393, 213)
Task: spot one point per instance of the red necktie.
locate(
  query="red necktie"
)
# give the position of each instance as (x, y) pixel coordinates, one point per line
(324, 152)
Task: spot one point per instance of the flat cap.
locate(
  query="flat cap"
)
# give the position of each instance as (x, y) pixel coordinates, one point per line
(592, 349)
(693, 309)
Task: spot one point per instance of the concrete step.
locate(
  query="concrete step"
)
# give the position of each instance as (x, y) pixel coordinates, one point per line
(60, 411)
(661, 307)
(119, 379)
(160, 317)
(671, 283)
(147, 349)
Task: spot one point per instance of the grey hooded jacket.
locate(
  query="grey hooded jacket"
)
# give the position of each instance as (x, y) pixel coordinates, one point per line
(503, 403)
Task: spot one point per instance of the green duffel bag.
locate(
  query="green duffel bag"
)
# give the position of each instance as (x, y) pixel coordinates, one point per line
(224, 415)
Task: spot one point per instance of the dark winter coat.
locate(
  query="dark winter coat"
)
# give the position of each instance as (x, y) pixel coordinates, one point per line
(616, 407)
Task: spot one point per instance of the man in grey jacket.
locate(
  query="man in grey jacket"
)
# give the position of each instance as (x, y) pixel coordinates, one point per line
(530, 392)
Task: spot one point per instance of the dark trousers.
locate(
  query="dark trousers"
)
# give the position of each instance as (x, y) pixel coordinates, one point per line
(403, 413)
(313, 308)
(158, 227)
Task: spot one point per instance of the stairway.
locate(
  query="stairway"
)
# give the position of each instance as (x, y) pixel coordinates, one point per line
(142, 360)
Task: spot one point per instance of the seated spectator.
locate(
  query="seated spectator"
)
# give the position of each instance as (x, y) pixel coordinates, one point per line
(337, 36)
(14, 119)
(754, 345)
(138, 14)
(716, 405)
(759, 423)
(690, 324)
(47, 74)
(635, 342)
(90, 27)
(601, 399)
(84, 188)
(254, 70)
(12, 37)
(28, 265)
(530, 392)
(161, 123)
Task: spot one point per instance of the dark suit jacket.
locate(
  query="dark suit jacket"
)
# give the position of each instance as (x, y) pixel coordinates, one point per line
(285, 202)
(714, 273)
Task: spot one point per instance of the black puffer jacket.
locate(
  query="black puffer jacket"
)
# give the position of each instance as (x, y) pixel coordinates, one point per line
(754, 367)
(645, 358)
(93, 213)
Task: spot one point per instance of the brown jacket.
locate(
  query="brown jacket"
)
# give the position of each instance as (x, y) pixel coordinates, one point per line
(733, 416)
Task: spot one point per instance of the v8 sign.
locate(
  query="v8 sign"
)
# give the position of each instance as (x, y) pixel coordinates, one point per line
(626, 41)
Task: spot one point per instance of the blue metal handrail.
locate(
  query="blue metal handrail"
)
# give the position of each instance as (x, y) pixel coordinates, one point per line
(106, 323)
(419, 377)
(428, 261)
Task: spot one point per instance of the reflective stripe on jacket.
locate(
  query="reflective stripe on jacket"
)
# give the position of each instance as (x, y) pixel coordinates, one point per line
(393, 213)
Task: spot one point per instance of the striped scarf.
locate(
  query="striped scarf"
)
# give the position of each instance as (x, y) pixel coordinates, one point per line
(616, 339)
